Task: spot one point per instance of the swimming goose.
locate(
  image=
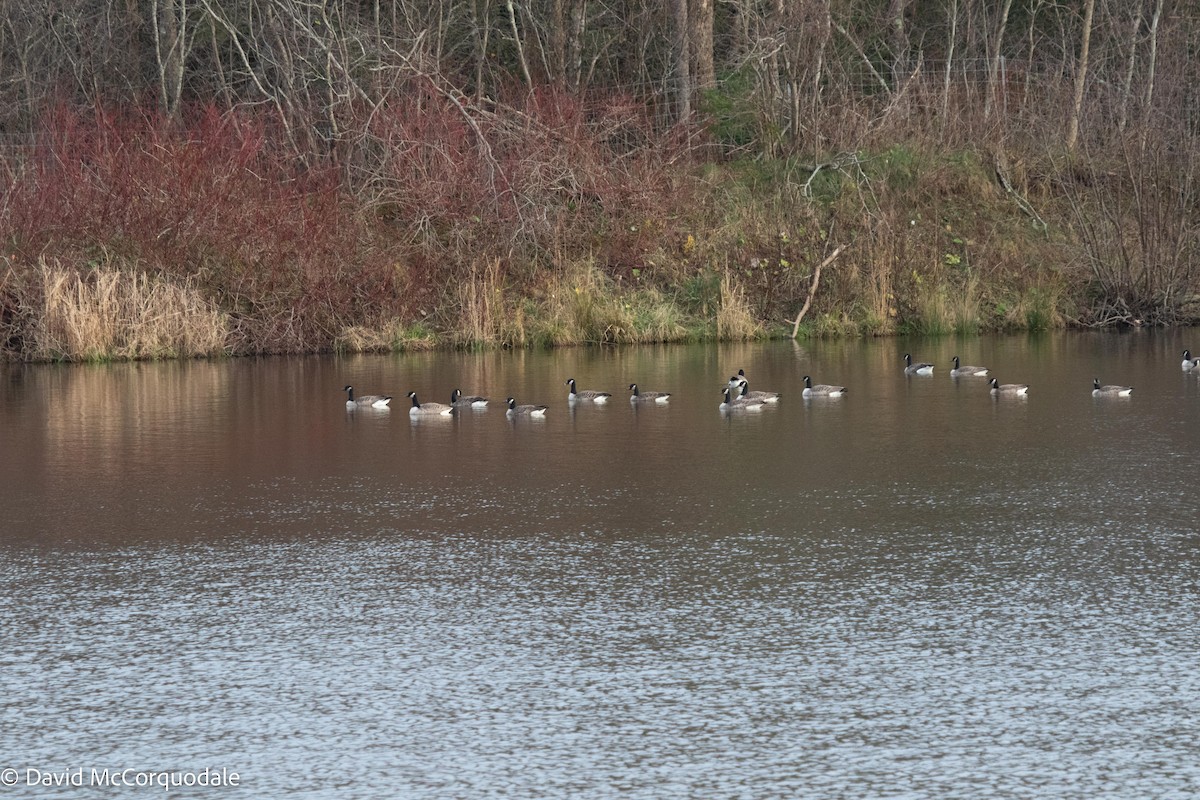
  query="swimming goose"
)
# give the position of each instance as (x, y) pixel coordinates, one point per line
(961, 371)
(372, 400)
(1012, 389)
(738, 379)
(586, 395)
(916, 369)
(822, 389)
(428, 409)
(515, 410)
(1110, 390)
(470, 401)
(739, 403)
(647, 397)
(764, 397)
(1189, 363)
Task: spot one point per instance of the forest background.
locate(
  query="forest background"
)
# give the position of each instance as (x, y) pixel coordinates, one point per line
(196, 177)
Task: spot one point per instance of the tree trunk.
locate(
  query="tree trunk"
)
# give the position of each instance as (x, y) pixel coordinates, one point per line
(512, 19)
(557, 60)
(898, 40)
(700, 19)
(1150, 70)
(1127, 82)
(171, 38)
(826, 33)
(1080, 76)
(683, 77)
(996, 48)
(575, 45)
(951, 39)
(482, 30)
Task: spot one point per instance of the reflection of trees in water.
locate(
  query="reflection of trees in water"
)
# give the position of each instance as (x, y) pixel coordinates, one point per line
(121, 413)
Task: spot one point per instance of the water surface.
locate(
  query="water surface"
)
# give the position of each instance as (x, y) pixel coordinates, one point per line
(914, 591)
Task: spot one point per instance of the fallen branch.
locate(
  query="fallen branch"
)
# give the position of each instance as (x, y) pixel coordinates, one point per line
(812, 289)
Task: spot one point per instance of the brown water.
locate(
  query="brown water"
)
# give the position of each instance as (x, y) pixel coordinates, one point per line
(914, 591)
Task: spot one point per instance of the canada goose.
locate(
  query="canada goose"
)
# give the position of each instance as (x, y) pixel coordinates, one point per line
(586, 395)
(961, 371)
(647, 397)
(428, 409)
(737, 380)
(371, 400)
(515, 410)
(470, 401)
(1011, 389)
(822, 389)
(764, 397)
(1189, 363)
(916, 369)
(1110, 390)
(738, 403)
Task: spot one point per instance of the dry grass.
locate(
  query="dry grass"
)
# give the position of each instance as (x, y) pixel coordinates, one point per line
(116, 314)
(581, 306)
(391, 337)
(480, 304)
(966, 306)
(659, 319)
(361, 339)
(479, 312)
(1038, 308)
(735, 317)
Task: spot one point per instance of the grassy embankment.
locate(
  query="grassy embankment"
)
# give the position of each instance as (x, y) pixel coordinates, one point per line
(125, 238)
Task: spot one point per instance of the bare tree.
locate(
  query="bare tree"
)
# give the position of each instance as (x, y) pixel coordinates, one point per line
(996, 48)
(682, 59)
(1089, 9)
(516, 35)
(951, 41)
(1152, 67)
(700, 23)
(175, 28)
(1130, 64)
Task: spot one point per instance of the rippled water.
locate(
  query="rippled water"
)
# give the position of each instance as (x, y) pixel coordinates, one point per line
(914, 591)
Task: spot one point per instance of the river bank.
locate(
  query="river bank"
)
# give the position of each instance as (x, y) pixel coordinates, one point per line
(128, 239)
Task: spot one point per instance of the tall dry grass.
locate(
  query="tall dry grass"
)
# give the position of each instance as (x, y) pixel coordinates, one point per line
(117, 314)
(477, 311)
(581, 306)
(941, 308)
(735, 317)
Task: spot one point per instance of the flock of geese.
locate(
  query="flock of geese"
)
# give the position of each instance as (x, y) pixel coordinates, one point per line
(737, 393)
